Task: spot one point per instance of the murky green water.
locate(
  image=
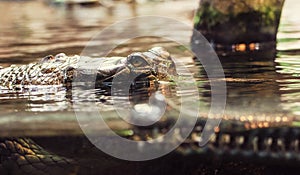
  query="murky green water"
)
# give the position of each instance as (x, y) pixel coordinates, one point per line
(257, 89)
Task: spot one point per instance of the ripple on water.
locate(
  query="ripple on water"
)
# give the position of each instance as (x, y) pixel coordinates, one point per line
(254, 87)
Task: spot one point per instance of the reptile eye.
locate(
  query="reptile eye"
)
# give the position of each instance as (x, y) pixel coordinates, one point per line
(47, 59)
(137, 61)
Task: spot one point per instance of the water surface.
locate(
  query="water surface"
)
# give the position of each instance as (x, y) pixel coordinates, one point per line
(260, 88)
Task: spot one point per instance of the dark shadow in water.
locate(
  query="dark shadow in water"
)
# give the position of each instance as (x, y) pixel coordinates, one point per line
(252, 84)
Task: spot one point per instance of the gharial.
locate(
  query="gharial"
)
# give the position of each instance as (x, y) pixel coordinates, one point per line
(232, 140)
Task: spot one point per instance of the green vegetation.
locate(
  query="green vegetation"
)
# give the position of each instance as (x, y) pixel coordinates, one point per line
(238, 22)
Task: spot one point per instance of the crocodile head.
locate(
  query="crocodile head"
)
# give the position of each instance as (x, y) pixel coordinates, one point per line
(154, 64)
(57, 70)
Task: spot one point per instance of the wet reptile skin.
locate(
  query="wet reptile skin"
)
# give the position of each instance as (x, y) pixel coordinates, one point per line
(23, 155)
(61, 69)
(262, 146)
(234, 140)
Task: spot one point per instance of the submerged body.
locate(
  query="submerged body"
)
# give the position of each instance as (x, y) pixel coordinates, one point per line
(232, 140)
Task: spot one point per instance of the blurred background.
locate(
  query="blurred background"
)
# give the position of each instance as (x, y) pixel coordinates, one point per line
(31, 30)
(260, 88)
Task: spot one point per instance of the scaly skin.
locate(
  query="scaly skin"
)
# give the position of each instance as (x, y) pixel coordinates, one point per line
(61, 69)
(23, 155)
(233, 140)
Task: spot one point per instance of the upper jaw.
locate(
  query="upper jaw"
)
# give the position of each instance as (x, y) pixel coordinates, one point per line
(153, 65)
(156, 62)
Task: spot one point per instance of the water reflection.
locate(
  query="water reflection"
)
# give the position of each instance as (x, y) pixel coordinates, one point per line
(261, 86)
(32, 29)
(252, 89)
(289, 67)
(288, 58)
